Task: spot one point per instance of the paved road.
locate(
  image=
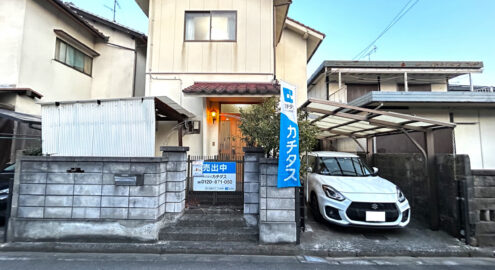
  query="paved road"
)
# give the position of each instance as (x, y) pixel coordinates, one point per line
(54, 261)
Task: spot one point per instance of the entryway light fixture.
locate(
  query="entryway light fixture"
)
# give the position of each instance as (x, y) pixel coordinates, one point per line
(214, 116)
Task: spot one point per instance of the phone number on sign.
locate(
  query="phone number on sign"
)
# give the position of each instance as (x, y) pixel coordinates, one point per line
(215, 182)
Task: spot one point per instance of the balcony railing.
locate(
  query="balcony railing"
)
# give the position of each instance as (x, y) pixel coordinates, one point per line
(339, 95)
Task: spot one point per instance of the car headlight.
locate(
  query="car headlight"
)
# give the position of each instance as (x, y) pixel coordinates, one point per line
(333, 193)
(400, 195)
(4, 191)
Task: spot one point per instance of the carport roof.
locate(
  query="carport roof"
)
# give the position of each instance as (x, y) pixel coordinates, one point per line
(338, 120)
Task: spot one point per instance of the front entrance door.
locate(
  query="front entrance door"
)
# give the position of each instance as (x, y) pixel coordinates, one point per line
(230, 136)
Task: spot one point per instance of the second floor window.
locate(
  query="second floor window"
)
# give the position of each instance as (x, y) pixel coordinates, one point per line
(73, 57)
(211, 26)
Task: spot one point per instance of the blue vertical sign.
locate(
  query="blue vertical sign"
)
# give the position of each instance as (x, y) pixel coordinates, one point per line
(288, 161)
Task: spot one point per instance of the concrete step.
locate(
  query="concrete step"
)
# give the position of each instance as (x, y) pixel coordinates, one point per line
(178, 233)
(224, 223)
(215, 210)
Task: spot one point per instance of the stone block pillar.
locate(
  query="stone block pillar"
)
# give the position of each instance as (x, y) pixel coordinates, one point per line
(277, 207)
(252, 156)
(176, 177)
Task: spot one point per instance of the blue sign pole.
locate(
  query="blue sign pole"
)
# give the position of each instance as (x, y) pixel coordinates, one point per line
(288, 161)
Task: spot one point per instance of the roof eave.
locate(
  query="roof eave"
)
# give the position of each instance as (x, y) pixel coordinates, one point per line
(108, 23)
(68, 11)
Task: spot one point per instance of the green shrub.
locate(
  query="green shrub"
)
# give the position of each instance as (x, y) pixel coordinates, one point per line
(260, 126)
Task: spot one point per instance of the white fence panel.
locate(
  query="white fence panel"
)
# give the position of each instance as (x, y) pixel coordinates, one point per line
(124, 128)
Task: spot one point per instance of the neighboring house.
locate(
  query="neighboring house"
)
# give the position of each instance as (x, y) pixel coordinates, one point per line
(216, 57)
(418, 88)
(64, 53)
(52, 51)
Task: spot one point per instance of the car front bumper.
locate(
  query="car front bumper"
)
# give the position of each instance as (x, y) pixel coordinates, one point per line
(337, 212)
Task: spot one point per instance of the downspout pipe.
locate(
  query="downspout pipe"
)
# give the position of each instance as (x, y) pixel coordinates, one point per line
(327, 83)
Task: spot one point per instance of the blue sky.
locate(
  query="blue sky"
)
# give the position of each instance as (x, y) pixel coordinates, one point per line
(434, 30)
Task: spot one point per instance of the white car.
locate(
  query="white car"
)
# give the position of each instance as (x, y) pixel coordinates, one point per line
(343, 190)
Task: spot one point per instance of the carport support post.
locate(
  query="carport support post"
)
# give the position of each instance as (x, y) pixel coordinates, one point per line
(432, 180)
(180, 134)
(369, 150)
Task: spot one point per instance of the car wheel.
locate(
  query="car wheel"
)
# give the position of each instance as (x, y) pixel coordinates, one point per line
(315, 208)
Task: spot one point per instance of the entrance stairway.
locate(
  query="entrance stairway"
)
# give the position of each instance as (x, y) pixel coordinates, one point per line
(208, 230)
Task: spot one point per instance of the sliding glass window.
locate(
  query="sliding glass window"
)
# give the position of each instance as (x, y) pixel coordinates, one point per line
(73, 57)
(210, 26)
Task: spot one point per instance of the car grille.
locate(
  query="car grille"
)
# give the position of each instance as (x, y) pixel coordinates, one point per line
(357, 211)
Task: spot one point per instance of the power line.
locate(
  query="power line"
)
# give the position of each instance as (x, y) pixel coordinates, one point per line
(407, 7)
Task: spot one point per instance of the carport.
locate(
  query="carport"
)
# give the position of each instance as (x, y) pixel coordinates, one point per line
(338, 120)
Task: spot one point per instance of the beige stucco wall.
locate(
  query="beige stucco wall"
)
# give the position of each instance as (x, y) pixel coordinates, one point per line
(30, 51)
(291, 55)
(39, 71)
(140, 76)
(11, 28)
(113, 70)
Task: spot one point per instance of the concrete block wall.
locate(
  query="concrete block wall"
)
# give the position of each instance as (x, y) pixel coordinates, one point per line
(408, 172)
(482, 206)
(252, 158)
(48, 191)
(277, 207)
(176, 177)
(452, 174)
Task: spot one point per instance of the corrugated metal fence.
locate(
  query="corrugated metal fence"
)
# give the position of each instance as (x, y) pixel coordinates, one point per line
(124, 128)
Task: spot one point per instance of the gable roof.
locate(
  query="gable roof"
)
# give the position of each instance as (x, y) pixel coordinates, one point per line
(122, 28)
(72, 14)
(313, 37)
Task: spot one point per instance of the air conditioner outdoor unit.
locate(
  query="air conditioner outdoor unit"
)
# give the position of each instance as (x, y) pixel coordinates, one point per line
(192, 126)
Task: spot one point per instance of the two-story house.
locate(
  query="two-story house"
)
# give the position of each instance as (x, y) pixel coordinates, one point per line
(52, 51)
(418, 88)
(63, 53)
(215, 57)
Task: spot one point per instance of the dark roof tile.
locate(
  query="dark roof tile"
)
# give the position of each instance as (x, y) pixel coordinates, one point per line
(228, 88)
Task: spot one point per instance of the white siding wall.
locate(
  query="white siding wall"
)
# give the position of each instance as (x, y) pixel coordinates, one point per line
(475, 137)
(124, 128)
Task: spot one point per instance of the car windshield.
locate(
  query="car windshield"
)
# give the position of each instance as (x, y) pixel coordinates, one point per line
(10, 168)
(343, 166)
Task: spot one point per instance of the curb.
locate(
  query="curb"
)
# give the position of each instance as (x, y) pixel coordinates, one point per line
(273, 250)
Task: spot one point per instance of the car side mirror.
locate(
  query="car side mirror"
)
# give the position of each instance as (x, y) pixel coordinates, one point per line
(310, 170)
(375, 171)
